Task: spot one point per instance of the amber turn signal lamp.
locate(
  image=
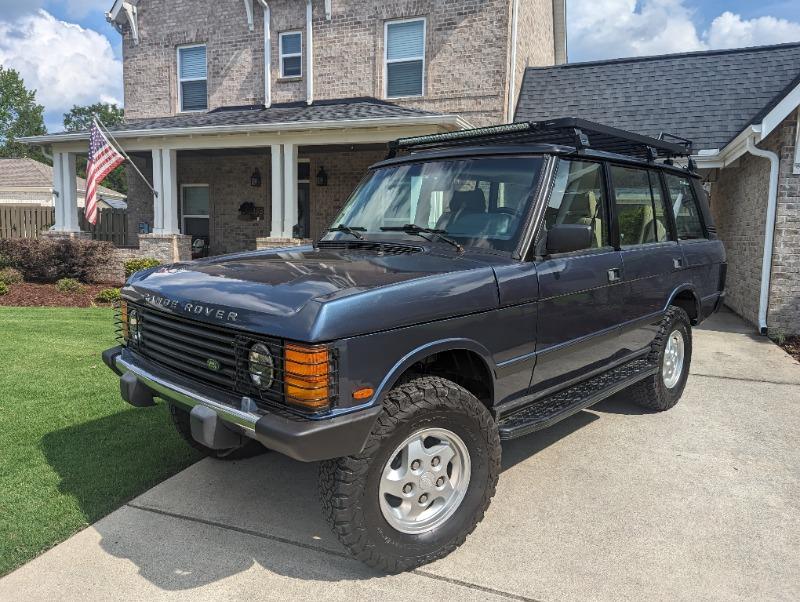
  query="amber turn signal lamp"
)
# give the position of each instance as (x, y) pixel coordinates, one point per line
(307, 376)
(361, 394)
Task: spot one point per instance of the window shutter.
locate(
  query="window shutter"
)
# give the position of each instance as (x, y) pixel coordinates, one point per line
(193, 62)
(405, 40)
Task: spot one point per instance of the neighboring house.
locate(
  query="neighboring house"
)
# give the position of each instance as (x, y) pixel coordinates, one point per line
(740, 109)
(29, 182)
(255, 120)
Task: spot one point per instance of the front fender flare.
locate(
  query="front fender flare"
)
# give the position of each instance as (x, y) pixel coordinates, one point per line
(423, 351)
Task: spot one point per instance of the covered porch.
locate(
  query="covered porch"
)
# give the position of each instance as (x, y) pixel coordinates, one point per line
(240, 179)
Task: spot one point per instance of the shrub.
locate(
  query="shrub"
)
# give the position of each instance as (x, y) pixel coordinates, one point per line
(140, 263)
(108, 295)
(5, 262)
(68, 285)
(48, 260)
(10, 276)
(4, 289)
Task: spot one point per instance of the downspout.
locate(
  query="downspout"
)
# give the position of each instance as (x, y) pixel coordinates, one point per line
(512, 85)
(309, 55)
(769, 229)
(267, 54)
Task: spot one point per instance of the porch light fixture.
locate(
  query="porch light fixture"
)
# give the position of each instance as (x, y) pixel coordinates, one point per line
(255, 179)
(322, 177)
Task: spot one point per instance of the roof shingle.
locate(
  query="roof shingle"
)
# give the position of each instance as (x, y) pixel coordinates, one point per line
(708, 97)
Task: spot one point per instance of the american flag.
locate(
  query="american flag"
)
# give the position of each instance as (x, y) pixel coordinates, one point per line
(103, 159)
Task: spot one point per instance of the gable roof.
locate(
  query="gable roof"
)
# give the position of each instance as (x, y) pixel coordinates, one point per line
(708, 97)
(29, 173)
(341, 112)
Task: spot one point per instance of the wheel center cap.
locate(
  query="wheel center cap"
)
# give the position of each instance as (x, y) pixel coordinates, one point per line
(427, 480)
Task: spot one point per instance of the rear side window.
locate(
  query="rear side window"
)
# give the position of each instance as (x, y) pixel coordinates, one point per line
(685, 207)
(640, 209)
(578, 197)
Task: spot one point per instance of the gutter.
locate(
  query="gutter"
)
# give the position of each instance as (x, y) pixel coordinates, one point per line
(309, 54)
(337, 124)
(267, 53)
(769, 229)
(512, 81)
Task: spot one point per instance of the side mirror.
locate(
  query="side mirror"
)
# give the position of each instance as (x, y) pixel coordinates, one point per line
(565, 238)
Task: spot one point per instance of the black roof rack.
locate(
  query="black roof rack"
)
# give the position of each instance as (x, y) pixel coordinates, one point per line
(568, 131)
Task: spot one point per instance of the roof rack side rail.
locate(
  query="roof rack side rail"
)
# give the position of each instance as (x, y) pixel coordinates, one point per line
(687, 144)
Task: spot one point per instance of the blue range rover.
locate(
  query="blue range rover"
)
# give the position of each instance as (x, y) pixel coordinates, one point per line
(477, 286)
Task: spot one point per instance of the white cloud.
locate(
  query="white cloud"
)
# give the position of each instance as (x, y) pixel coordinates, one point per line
(731, 31)
(600, 29)
(65, 63)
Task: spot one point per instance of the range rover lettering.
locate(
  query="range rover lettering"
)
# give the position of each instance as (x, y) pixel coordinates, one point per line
(477, 286)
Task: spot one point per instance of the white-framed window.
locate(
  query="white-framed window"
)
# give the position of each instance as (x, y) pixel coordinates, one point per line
(192, 78)
(404, 58)
(291, 46)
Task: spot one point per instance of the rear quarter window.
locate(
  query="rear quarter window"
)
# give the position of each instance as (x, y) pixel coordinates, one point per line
(685, 207)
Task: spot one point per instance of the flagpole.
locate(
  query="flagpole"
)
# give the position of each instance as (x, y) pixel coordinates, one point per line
(118, 146)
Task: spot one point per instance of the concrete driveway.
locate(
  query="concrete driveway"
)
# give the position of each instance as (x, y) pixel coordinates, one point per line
(701, 502)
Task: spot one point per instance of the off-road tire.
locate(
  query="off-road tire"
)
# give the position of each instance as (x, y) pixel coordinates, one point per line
(652, 393)
(349, 486)
(180, 418)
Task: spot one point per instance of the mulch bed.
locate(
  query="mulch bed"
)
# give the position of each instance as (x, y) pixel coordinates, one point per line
(792, 346)
(29, 294)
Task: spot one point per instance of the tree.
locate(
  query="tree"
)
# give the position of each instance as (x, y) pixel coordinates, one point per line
(20, 116)
(80, 119)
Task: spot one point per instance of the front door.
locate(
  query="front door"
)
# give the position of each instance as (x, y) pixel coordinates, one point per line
(194, 217)
(580, 294)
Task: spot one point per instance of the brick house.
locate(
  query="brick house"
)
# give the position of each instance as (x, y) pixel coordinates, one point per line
(254, 120)
(741, 110)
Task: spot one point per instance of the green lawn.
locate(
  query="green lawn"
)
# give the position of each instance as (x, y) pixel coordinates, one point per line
(71, 450)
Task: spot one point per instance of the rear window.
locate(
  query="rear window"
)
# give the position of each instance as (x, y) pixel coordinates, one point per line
(639, 204)
(685, 207)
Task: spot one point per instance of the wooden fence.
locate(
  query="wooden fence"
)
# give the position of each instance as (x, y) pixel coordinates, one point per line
(29, 221)
(25, 221)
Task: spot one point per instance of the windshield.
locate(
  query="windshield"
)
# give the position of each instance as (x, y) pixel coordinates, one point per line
(479, 202)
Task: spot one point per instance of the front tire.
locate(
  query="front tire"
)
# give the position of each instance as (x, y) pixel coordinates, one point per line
(672, 352)
(423, 481)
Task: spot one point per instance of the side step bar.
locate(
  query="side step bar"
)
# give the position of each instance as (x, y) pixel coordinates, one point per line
(547, 411)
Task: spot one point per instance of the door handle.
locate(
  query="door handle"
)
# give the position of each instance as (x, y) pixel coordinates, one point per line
(677, 262)
(614, 275)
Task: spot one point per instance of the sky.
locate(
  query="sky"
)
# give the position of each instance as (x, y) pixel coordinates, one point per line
(69, 54)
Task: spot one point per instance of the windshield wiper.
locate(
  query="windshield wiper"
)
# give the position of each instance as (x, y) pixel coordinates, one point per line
(349, 230)
(419, 231)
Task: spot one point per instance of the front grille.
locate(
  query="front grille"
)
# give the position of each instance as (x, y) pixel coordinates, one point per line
(215, 356)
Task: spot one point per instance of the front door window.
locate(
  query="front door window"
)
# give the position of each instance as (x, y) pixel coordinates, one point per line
(194, 217)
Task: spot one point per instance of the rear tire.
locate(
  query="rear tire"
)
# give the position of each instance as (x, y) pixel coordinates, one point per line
(181, 420)
(451, 438)
(672, 352)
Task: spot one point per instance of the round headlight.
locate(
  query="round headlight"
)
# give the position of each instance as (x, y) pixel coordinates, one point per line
(262, 366)
(134, 331)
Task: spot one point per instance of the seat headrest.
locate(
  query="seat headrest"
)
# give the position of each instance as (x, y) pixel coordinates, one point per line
(468, 201)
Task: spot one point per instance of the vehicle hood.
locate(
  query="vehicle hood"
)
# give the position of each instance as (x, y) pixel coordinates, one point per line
(311, 294)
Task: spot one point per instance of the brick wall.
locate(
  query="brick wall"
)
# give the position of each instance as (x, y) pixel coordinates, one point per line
(140, 197)
(739, 205)
(467, 51)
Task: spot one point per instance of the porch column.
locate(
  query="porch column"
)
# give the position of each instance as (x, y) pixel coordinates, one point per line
(165, 181)
(290, 189)
(276, 152)
(65, 185)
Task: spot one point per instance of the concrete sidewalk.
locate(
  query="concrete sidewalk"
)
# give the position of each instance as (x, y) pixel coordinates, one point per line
(701, 502)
